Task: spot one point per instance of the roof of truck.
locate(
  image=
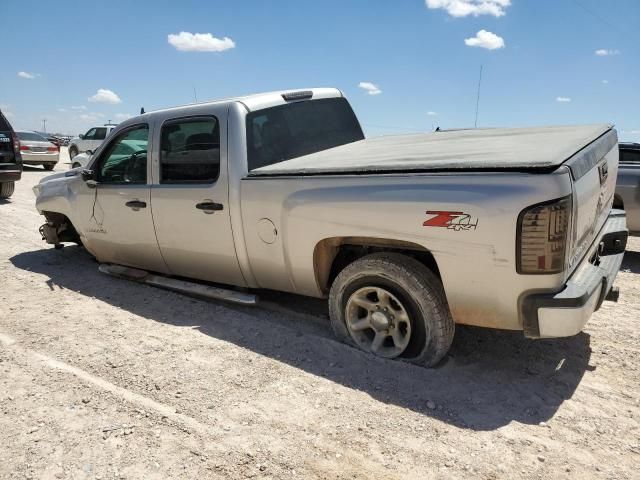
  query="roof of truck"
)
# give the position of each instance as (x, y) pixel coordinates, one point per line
(524, 149)
(258, 101)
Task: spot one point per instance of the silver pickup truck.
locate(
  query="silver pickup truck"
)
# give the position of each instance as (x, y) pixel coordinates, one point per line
(406, 235)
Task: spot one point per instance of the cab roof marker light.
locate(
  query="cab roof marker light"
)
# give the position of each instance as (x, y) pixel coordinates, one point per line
(302, 95)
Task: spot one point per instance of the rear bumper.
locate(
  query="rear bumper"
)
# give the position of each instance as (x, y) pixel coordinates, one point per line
(40, 158)
(566, 312)
(10, 172)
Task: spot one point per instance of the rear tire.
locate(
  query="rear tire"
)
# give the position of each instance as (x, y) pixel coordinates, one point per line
(73, 151)
(76, 165)
(392, 305)
(6, 189)
(49, 166)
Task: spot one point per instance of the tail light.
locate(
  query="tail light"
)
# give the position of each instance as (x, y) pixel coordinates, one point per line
(543, 232)
(16, 143)
(53, 149)
(24, 148)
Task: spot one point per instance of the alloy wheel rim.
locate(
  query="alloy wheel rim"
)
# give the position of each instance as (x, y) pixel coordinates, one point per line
(378, 322)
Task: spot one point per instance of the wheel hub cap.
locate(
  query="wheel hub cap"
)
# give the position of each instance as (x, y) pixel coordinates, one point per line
(380, 321)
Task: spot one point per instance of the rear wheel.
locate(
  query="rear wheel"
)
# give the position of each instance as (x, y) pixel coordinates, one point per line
(76, 165)
(6, 189)
(73, 151)
(49, 166)
(393, 306)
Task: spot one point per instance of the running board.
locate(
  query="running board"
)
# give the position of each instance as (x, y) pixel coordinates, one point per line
(180, 286)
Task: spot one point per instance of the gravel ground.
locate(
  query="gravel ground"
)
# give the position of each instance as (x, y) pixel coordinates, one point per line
(103, 378)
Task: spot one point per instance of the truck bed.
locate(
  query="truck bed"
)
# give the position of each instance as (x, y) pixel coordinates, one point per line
(521, 149)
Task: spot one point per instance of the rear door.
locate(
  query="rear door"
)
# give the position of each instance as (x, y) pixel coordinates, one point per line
(189, 198)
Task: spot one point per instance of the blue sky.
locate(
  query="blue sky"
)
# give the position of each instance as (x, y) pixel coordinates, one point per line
(416, 56)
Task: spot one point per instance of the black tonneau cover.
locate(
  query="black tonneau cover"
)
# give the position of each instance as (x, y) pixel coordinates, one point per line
(522, 149)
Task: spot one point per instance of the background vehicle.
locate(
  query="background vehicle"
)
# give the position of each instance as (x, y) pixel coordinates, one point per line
(406, 235)
(90, 140)
(10, 158)
(628, 186)
(81, 160)
(37, 150)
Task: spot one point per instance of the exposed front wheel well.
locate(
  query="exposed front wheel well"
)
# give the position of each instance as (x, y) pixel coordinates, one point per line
(60, 229)
(332, 255)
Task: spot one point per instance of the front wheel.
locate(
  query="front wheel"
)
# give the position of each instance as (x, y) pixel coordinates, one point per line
(6, 189)
(73, 151)
(76, 165)
(393, 306)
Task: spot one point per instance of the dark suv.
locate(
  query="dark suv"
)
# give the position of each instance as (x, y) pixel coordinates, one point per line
(10, 159)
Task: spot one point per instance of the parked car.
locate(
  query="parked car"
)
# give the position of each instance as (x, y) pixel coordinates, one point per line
(90, 140)
(406, 235)
(81, 160)
(628, 186)
(37, 150)
(10, 158)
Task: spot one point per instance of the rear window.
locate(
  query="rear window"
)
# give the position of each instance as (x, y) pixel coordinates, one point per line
(289, 131)
(630, 156)
(30, 136)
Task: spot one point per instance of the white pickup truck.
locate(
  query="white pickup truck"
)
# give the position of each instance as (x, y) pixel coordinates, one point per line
(406, 235)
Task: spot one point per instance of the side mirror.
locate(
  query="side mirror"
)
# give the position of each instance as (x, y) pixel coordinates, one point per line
(89, 152)
(89, 177)
(81, 136)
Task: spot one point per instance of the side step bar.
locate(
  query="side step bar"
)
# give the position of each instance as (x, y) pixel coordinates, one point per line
(180, 286)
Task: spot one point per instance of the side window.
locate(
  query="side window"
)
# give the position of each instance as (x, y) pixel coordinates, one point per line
(90, 135)
(190, 150)
(125, 158)
(101, 134)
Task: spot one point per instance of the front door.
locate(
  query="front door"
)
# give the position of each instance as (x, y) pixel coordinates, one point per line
(120, 227)
(189, 200)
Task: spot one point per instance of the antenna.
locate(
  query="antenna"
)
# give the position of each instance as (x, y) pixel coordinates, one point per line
(195, 95)
(475, 125)
(44, 125)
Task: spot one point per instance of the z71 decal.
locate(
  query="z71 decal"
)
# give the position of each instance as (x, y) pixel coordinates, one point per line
(452, 220)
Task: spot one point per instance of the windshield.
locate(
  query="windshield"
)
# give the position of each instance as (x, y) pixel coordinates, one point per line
(289, 131)
(26, 136)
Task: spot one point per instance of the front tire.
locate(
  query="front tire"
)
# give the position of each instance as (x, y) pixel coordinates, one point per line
(73, 151)
(49, 166)
(76, 165)
(393, 306)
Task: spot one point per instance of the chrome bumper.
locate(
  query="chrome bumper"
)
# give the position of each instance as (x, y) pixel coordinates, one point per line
(566, 312)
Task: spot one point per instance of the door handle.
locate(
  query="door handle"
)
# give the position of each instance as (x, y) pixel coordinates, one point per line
(136, 204)
(209, 207)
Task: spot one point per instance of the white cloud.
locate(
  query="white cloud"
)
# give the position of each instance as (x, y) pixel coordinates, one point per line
(370, 88)
(464, 8)
(431, 113)
(563, 99)
(199, 42)
(123, 116)
(603, 52)
(485, 39)
(78, 107)
(27, 75)
(104, 95)
(62, 110)
(605, 82)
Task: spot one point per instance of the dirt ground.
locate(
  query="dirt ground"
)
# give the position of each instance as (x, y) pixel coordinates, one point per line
(103, 378)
